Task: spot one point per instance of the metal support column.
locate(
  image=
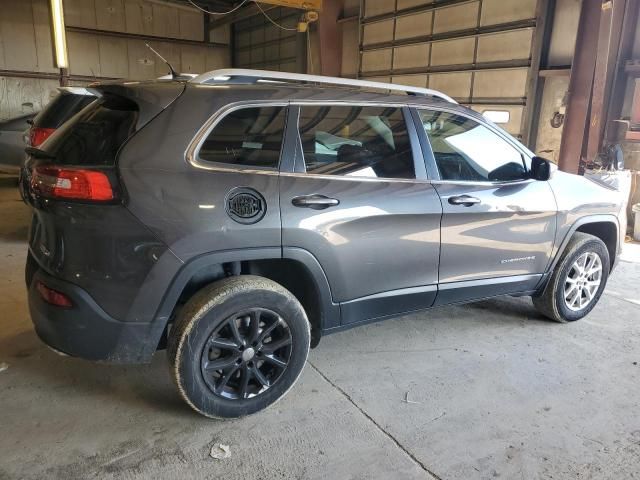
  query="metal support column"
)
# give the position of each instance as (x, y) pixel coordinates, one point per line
(580, 86)
(619, 84)
(330, 38)
(302, 52)
(545, 13)
(609, 35)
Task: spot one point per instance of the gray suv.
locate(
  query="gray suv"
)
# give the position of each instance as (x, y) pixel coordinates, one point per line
(237, 217)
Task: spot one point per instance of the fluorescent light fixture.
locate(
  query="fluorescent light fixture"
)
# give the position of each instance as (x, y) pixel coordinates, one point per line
(59, 35)
(497, 116)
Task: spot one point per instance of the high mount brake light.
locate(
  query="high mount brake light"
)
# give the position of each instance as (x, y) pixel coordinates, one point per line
(38, 135)
(72, 183)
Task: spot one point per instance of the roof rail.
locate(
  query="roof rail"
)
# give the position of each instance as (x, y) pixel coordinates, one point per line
(232, 75)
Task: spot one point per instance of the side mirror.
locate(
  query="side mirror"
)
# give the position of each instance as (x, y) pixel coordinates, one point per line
(540, 169)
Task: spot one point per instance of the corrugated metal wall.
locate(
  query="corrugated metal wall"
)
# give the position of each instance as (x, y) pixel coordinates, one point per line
(477, 51)
(103, 55)
(105, 39)
(25, 45)
(556, 84)
(260, 44)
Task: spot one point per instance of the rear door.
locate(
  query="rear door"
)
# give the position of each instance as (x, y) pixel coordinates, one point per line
(355, 195)
(498, 225)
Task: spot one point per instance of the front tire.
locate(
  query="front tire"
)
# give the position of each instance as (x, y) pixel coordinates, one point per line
(578, 280)
(238, 346)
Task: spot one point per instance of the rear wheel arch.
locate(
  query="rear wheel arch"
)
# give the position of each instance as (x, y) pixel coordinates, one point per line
(298, 272)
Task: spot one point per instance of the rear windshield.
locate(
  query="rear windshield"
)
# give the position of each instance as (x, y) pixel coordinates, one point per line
(94, 136)
(61, 109)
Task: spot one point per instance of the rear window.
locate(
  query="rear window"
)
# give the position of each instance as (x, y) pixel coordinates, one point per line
(61, 109)
(94, 136)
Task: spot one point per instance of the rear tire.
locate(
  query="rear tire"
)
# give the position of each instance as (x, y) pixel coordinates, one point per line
(577, 282)
(238, 346)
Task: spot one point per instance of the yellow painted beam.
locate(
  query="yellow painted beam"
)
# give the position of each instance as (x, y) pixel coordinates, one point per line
(301, 4)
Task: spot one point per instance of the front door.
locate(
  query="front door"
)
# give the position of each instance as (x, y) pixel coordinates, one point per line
(359, 201)
(498, 225)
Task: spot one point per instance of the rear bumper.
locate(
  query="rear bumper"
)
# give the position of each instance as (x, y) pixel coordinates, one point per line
(85, 330)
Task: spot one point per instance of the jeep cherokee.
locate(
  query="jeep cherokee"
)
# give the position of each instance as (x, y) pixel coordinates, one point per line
(237, 217)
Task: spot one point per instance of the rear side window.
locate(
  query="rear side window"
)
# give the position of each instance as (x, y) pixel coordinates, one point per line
(61, 109)
(94, 136)
(249, 137)
(356, 141)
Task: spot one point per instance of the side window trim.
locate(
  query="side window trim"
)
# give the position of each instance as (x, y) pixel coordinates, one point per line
(192, 154)
(293, 141)
(432, 166)
(293, 160)
(425, 146)
(416, 150)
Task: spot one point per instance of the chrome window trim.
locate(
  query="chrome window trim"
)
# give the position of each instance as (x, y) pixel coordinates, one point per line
(354, 179)
(346, 103)
(483, 184)
(192, 153)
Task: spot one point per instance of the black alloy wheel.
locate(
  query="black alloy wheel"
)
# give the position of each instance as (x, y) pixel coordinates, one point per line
(238, 346)
(247, 354)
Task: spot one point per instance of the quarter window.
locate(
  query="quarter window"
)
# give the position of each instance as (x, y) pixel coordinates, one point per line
(246, 137)
(468, 151)
(356, 141)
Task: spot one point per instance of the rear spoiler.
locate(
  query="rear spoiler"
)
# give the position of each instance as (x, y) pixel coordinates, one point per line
(76, 91)
(150, 97)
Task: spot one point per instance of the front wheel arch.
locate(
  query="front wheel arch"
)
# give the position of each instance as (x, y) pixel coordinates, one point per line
(596, 225)
(606, 231)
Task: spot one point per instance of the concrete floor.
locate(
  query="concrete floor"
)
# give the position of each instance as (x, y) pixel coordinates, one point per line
(498, 392)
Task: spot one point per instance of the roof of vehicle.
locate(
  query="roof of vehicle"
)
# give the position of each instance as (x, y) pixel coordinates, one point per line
(288, 91)
(242, 87)
(266, 84)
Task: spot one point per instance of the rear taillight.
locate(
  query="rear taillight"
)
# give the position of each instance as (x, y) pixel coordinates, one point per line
(71, 183)
(38, 135)
(52, 296)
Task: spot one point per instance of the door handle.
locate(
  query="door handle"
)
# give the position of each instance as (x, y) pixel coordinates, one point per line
(317, 202)
(464, 200)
